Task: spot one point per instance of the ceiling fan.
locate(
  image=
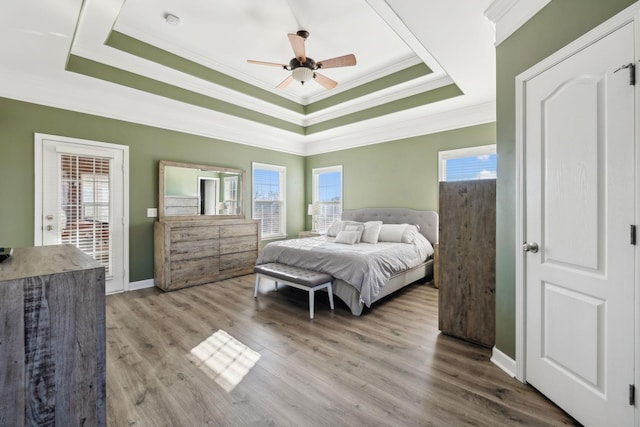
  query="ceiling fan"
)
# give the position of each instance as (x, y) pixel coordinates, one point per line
(303, 68)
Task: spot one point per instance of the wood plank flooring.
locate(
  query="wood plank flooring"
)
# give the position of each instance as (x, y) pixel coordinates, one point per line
(389, 367)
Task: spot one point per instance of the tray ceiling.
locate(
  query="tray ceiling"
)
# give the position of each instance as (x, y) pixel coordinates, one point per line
(423, 66)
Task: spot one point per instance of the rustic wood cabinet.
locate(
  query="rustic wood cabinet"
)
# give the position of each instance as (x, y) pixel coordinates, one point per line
(52, 338)
(194, 252)
(466, 260)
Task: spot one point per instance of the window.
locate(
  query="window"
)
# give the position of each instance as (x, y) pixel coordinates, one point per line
(95, 197)
(84, 194)
(327, 197)
(468, 163)
(269, 199)
(230, 206)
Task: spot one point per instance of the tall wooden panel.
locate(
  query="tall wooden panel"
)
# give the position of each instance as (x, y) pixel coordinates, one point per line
(52, 338)
(467, 260)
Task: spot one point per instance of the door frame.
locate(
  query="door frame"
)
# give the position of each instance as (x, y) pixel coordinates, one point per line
(629, 15)
(201, 179)
(38, 168)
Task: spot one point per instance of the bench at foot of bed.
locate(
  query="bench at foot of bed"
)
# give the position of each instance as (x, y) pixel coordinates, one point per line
(300, 278)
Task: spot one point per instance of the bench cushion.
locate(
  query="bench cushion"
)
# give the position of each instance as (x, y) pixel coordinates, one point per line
(293, 274)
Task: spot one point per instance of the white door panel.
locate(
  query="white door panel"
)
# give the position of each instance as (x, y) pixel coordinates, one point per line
(579, 206)
(81, 199)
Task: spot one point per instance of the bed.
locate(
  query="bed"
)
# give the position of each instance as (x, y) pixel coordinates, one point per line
(365, 272)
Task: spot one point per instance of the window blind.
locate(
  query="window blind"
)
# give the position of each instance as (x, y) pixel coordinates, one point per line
(268, 198)
(84, 194)
(231, 195)
(327, 196)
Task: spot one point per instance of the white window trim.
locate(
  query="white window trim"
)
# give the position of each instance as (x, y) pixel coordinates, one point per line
(315, 180)
(283, 181)
(445, 155)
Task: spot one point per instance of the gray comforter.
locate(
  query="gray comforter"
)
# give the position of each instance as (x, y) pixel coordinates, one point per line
(365, 266)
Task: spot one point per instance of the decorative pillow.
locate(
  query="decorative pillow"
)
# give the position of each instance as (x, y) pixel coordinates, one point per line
(359, 228)
(347, 237)
(335, 228)
(391, 232)
(371, 232)
(409, 234)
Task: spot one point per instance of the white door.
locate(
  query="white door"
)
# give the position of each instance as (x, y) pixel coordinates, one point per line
(80, 200)
(208, 192)
(579, 207)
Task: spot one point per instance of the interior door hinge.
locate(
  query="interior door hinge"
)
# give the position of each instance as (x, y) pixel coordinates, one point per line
(632, 394)
(632, 72)
(632, 234)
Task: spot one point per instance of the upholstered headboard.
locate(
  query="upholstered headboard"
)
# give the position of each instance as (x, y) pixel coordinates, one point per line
(427, 220)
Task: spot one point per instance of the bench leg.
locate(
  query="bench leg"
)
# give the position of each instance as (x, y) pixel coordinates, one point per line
(330, 292)
(311, 302)
(255, 293)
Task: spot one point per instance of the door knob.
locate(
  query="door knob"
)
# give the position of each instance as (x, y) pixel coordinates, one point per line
(49, 217)
(530, 247)
(49, 227)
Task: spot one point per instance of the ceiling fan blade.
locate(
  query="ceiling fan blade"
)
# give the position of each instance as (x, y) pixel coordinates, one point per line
(297, 43)
(325, 81)
(271, 64)
(340, 61)
(286, 82)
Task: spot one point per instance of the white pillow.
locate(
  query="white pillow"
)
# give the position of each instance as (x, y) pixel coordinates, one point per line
(347, 237)
(409, 234)
(359, 228)
(371, 232)
(335, 228)
(391, 232)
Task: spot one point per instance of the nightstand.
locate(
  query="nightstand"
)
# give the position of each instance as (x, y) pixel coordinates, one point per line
(308, 233)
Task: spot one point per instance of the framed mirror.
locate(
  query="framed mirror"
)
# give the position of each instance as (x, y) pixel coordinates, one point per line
(190, 191)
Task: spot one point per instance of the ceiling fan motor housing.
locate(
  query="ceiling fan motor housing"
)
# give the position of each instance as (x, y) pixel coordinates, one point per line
(309, 63)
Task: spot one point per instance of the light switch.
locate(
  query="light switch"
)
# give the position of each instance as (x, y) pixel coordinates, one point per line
(152, 212)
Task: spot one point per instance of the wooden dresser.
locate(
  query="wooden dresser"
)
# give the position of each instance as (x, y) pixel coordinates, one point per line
(194, 252)
(52, 338)
(467, 260)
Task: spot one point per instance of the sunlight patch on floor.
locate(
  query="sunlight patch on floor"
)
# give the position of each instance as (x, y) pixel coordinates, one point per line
(225, 359)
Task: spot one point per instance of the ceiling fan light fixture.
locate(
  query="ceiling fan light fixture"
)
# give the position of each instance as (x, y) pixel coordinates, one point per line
(302, 74)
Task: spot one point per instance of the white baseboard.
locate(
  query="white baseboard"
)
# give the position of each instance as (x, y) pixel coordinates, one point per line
(503, 362)
(142, 284)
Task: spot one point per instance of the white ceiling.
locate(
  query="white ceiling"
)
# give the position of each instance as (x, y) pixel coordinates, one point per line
(224, 34)
(453, 38)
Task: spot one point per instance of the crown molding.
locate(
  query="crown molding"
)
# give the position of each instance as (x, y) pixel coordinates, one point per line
(378, 74)
(509, 15)
(419, 121)
(124, 61)
(69, 91)
(381, 97)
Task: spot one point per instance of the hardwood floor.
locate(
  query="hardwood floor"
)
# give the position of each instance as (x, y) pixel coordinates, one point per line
(389, 367)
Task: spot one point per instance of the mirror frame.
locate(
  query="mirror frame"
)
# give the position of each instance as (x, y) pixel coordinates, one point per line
(162, 164)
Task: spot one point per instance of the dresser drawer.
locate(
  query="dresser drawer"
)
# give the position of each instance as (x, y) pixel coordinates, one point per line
(238, 244)
(238, 261)
(236, 230)
(180, 234)
(195, 249)
(192, 271)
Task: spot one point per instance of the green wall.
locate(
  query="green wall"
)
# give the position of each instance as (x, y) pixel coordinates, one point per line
(398, 173)
(556, 25)
(147, 145)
